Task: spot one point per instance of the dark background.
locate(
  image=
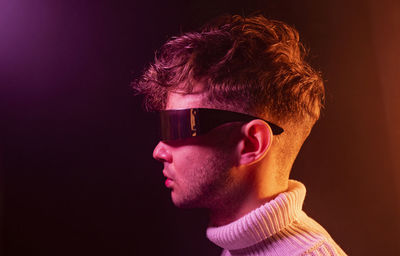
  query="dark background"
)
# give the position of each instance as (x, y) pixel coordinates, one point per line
(75, 144)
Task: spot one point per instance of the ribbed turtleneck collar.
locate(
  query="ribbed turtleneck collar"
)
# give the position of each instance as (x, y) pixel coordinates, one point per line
(262, 222)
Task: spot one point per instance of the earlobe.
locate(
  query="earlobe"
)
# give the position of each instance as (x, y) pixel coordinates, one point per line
(256, 141)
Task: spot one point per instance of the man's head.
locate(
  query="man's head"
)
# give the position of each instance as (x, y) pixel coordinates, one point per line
(249, 65)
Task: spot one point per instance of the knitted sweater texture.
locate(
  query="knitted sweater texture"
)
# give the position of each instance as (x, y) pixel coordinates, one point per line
(279, 227)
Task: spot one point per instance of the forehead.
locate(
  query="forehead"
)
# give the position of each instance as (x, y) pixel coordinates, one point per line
(176, 100)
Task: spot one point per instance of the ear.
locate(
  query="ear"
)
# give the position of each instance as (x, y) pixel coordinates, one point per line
(255, 143)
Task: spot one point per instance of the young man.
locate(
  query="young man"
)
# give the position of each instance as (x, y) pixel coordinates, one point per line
(237, 101)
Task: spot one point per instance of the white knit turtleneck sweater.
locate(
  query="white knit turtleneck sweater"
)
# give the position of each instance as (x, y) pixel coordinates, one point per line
(279, 227)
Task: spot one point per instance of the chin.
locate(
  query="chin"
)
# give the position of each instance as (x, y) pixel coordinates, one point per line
(182, 202)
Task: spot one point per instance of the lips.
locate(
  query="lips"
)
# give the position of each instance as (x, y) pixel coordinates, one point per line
(169, 181)
(166, 174)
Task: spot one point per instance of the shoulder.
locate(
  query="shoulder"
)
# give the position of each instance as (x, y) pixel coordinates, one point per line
(312, 238)
(324, 248)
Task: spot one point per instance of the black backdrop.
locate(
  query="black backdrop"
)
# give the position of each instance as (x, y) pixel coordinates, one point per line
(75, 147)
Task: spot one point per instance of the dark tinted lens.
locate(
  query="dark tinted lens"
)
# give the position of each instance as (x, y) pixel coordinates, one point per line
(175, 124)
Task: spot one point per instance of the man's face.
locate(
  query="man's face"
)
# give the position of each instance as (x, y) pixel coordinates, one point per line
(197, 169)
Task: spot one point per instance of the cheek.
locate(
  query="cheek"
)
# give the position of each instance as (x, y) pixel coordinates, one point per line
(203, 166)
(189, 159)
(192, 164)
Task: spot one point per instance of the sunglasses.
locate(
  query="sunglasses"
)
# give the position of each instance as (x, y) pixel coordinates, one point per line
(185, 123)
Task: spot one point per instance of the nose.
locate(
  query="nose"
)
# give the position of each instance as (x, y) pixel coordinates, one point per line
(162, 153)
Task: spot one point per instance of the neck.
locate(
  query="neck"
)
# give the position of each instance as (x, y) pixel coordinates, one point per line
(260, 189)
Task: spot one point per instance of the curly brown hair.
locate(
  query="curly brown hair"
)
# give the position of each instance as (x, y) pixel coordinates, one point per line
(254, 65)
